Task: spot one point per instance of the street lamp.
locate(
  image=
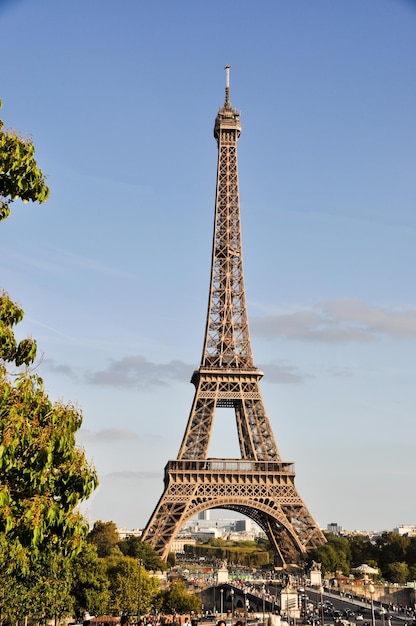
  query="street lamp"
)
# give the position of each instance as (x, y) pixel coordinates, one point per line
(215, 607)
(321, 591)
(371, 590)
(264, 604)
(222, 603)
(232, 606)
(245, 606)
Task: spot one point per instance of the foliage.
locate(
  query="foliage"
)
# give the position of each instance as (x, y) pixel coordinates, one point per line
(20, 176)
(399, 572)
(138, 549)
(411, 552)
(90, 585)
(42, 592)
(391, 548)
(362, 550)
(176, 599)
(43, 474)
(247, 553)
(104, 535)
(393, 554)
(335, 555)
(130, 585)
(171, 560)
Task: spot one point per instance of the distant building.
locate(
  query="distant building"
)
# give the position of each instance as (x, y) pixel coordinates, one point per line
(124, 533)
(405, 530)
(243, 525)
(334, 528)
(206, 534)
(204, 515)
(179, 543)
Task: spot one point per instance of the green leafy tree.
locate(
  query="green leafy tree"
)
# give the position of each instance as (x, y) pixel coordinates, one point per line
(171, 560)
(176, 599)
(362, 550)
(20, 176)
(130, 585)
(411, 551)
(335, 555)
(104, 535)
(43, 474)
(90, 585)
(138, 549)
(392, 548)
(43, 592)
(397, 572)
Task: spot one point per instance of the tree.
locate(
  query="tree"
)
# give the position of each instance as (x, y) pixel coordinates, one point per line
(43, 478)
(392, 548)
(176, 599)
(130, 585)
(335, 555)
(43, 474)
(362, 550)
(411, 552)
(90, 585)
(104, 535)
(138, 549)
(20, 176)
(171, 560)
(397, 572)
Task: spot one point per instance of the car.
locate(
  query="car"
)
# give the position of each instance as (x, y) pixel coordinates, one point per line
(359, 617)
(379, 610)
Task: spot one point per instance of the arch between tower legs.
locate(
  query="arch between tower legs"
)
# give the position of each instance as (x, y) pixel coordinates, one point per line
(285, 520)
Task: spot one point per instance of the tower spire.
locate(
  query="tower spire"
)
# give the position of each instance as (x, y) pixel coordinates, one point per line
(227, 104)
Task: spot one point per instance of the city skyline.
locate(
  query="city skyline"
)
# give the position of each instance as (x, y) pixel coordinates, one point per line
(113, 271)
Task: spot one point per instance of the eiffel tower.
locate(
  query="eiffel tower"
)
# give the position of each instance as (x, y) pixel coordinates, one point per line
(259, 484)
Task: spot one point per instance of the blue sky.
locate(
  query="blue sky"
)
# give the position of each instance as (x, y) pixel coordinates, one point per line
(113, 271)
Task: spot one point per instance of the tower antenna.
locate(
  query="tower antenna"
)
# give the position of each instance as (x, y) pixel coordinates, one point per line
(227, 87)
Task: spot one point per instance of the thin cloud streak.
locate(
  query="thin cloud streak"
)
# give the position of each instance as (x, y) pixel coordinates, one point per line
(107, 435)
(281, 373)
(338, 321)
(52, 366)
(125, 475)
(136, 372)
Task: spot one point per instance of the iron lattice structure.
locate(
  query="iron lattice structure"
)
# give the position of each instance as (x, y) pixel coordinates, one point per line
(259, 484)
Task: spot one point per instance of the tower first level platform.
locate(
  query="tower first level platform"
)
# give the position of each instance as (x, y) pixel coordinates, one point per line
(263, 491)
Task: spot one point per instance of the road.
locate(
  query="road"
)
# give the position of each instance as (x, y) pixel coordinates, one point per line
(356, 606)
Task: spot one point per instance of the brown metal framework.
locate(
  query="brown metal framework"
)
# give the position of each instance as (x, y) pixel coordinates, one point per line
(260, 485)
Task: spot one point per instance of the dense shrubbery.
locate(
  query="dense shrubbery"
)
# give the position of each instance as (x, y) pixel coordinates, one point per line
(393, 554)
(247, 553)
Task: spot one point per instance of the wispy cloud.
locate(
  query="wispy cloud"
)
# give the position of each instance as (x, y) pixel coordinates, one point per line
(107, 435)
(132, 475)
(90, 264)
(53, 366)
(53, 260)
(282, 373)
(338, 321)
(139, 373)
